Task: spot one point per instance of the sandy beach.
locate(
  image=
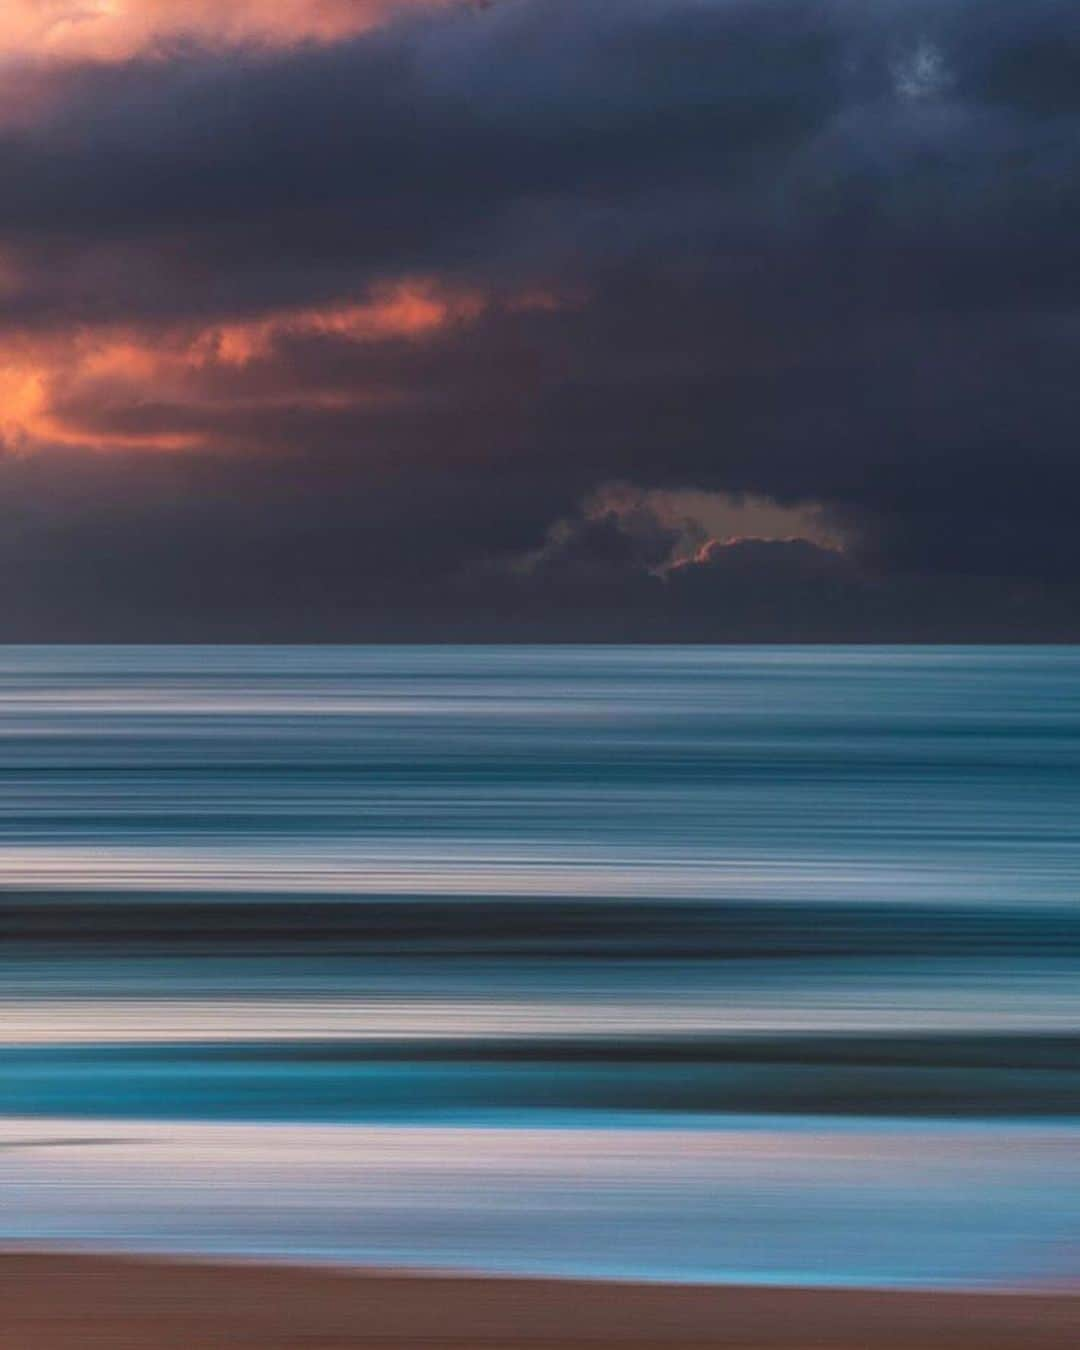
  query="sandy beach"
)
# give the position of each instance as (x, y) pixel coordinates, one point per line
(60, 1302)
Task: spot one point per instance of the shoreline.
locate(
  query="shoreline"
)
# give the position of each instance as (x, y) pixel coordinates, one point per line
(61, 1301)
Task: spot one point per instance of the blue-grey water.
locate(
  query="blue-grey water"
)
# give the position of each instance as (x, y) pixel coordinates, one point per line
(755, 963)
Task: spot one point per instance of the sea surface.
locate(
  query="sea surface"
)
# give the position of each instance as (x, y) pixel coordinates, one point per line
(681, 963)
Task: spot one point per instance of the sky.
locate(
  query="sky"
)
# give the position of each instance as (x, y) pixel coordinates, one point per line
(539, 320)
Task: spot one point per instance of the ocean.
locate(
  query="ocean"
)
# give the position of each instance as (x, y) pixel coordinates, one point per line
(681, 963)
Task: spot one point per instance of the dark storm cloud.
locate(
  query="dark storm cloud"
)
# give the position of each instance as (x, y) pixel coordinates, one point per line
(821, 253)
(520, 133)
(479, 140)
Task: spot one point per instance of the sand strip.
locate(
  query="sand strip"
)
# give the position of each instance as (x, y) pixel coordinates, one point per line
(53, 1302)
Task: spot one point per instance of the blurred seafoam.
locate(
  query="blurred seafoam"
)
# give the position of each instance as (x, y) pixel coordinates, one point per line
(680, 963)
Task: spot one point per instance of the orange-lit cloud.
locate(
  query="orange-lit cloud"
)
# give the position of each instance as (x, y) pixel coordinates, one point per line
(697, 522)
(31, 386)
(118, 388)
(114, 29)
(412, 310)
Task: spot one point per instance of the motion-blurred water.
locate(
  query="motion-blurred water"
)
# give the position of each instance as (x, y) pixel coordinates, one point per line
(755, 963)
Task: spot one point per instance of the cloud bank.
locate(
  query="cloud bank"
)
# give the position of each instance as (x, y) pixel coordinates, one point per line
(650, 320)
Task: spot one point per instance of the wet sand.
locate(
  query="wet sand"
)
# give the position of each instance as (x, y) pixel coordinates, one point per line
(53, 1302)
